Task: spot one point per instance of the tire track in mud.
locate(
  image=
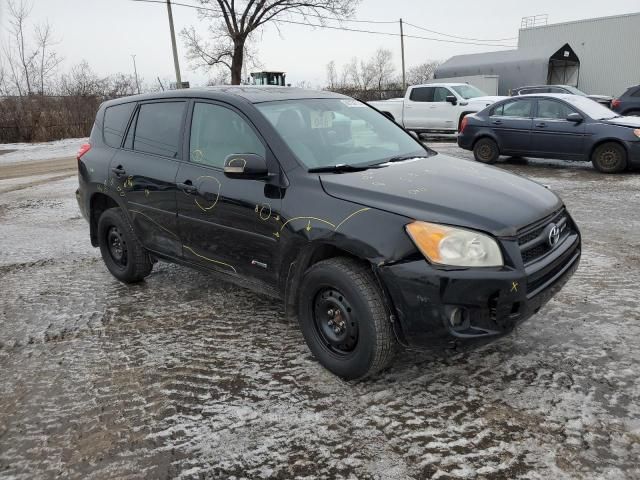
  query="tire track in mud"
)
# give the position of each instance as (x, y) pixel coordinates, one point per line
(184, 376)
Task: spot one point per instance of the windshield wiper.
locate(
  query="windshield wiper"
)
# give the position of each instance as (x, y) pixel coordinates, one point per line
(341, 167)
(402, 158)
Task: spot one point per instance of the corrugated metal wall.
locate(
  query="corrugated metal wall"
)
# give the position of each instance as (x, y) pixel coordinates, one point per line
(608, 48)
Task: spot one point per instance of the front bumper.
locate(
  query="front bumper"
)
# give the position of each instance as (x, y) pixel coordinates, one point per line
(633, 149)
(492, 301)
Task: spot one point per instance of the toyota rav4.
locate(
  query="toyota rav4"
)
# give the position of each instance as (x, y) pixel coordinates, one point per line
(372, 239)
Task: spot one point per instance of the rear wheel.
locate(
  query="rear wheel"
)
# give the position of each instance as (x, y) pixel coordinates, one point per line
(343, 318)
(609, 157)
(486, 150)
(123, 255)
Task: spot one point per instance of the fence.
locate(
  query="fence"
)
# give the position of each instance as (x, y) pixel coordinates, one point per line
(39, 118)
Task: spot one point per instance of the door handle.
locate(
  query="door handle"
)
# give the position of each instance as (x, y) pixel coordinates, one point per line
(497, 122)
(187, 187)
(541, 125)
(119, 171)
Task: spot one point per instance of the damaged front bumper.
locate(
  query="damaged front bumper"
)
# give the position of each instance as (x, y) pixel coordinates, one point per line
(437, 307)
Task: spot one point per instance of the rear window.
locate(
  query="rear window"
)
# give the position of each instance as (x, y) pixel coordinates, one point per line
(422, 94)
(514, 108)
(115, 123)
(158, 128)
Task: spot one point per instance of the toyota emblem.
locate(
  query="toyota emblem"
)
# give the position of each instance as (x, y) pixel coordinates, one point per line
(554, 235)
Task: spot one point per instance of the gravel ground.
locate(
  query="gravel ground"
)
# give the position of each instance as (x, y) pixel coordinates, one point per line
(184, 376)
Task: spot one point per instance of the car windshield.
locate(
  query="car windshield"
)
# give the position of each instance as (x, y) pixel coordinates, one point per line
(338, 131)
(590, 107)
(468, 91)
(574, 91)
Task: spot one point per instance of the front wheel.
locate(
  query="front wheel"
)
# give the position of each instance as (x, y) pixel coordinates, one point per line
(609, 157)
(486, 150)
(124, 256)
(343, 318)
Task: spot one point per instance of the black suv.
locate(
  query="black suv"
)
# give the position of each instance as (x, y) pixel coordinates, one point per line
(371, 238)
(628, 103)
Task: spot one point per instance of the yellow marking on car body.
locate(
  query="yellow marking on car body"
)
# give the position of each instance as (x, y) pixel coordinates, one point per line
(210, 259)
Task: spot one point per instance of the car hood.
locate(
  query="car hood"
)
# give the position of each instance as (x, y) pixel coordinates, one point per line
(600, 97)
(448, 190)
(633, 122)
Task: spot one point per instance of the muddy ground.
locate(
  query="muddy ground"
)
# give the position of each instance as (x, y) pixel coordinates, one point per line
(183, 376)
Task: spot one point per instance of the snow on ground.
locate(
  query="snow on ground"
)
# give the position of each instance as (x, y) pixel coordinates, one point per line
(24, 152)
(186, 376)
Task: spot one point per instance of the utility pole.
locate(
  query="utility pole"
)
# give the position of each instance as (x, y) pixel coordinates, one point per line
(404, 75)
(176, 63)
(135, 71)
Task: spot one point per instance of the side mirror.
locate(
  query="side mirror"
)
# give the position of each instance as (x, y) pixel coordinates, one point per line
(246, 166)
(574, 117)
(451, 99)
(414, 135)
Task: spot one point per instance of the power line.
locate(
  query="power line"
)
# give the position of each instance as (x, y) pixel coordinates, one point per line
(346, 29)
(461, 38)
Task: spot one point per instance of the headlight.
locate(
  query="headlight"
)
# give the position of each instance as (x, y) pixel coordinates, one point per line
(455, 246)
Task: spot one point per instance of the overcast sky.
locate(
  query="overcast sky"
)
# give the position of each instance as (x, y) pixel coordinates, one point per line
(107, 32)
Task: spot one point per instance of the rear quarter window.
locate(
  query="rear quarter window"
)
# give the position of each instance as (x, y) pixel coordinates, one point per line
(115, 123)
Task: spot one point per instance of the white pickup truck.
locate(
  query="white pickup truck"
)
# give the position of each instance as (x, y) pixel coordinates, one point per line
(435, 107)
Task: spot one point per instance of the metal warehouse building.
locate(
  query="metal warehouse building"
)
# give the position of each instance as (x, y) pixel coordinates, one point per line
(599, 56)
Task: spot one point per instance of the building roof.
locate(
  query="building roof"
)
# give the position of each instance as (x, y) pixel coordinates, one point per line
(494, 58)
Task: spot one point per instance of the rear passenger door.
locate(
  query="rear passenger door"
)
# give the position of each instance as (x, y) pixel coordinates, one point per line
(227, 224)
(143, 173)
(553, 135)
(511, 122)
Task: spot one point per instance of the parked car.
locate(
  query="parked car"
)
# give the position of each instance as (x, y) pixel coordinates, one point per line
(366, 238)
(553, 126)
(435, 107)
(605, 100)
(628, 103)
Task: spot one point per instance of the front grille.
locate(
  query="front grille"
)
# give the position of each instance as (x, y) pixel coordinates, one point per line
(533, 239)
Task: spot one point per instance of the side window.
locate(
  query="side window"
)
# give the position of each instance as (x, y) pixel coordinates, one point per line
(217, 132)
(158, 128)
(422, 94)
(636, 93)
(441, 94)
(115, 123)
(515, 108)
(553, 110)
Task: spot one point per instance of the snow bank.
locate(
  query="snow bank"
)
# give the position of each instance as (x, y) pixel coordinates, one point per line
(40, 151)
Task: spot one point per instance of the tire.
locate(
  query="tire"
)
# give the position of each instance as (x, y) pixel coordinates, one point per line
(343, 318)
(123, 255)
(486, 150)
(610, 157)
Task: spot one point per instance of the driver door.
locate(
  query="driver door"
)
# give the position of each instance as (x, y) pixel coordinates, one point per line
(226, 224)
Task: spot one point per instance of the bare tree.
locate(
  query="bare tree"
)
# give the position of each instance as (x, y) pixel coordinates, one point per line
(30, 65)
(382, 67)
(81, 81)
(422, 73)
(47, 59)
(332, 75)
(233, 22)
